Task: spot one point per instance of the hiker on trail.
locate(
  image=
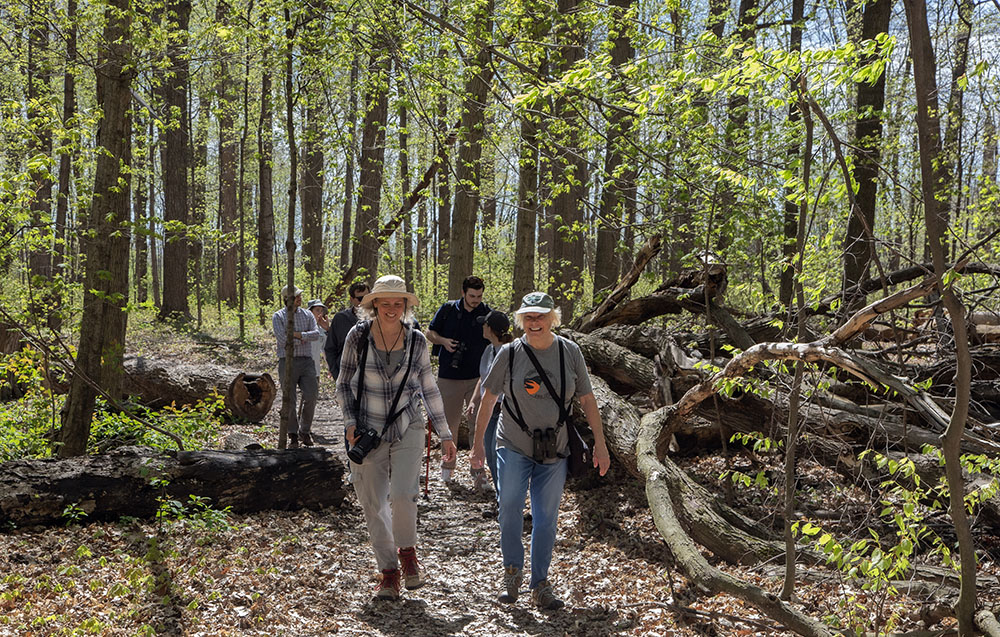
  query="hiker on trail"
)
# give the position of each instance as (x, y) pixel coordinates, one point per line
(319, 313)
(532, 441)
(303, 369)
(342, 323)
(385, 368)
(458, 343)
(496, 329)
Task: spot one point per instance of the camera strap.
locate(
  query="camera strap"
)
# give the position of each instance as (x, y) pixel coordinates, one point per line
(362, 369)
(511, 405)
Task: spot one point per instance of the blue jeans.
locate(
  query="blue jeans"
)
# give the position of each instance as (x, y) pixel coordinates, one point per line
(490, 441)
(546, 481)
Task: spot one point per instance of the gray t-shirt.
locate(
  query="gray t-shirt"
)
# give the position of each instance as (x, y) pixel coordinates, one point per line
(538, 408)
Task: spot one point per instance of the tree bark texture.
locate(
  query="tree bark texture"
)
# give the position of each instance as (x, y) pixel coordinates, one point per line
(265, 197)
(469, 169)
(312, 193)
(228, 103)
(109, 486)
(365, 254)
(106, 241)
(174, 158)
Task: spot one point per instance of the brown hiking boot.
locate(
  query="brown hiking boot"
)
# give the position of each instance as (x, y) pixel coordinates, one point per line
(512, 577)
(388, 587)
(545, 598)
(412, 570)
(293, 441)
(306, 439)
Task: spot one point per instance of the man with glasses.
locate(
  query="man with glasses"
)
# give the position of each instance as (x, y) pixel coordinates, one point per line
(342, 323)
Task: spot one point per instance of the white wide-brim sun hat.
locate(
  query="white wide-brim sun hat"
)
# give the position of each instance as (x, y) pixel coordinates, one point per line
(390, 286)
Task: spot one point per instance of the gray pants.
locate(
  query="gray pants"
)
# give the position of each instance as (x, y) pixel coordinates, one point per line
(388, 484)
(304, 377)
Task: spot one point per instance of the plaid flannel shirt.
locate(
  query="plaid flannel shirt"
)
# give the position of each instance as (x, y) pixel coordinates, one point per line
(305, 323)
(381, 387)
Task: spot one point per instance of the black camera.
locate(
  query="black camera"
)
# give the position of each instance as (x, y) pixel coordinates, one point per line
(543, 444)
(458, 355)
(367, 441)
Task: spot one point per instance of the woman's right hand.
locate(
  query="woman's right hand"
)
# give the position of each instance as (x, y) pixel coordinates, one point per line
(478, 455)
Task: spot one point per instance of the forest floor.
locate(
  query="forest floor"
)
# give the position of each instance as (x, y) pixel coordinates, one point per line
(313, 572)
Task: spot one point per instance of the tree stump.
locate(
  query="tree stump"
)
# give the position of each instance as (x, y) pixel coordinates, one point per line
(250, 396)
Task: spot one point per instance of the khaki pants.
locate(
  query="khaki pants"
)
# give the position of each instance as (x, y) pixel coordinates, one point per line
(456, 394)
(388, 484)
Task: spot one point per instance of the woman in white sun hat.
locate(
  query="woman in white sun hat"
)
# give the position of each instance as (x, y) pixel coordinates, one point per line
(384, 369)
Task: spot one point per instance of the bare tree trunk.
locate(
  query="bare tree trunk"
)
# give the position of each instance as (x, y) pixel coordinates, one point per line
(140, 194)
(201, 275)
(66, 158)
(265, 196)
(154, 257)
(859, 239)
(567, 211)
(443, 224)
(351, 151)
(102, 332)
(619, 180)
(954, 119)
(312, 194)
(525, 246)
(934, 176)
(40, 94)
(789, 247)
(288, 390)
(365, 255)
(468, 170)
(404, 183)
(226, 94)
(174, 154)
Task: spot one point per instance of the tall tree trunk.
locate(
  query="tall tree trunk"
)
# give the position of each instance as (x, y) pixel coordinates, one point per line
(226, 94)
(265, 197)
(934, 177)
(288, 390)
(570, 165)
(442, 122)
(140, 195)
(365, 254)
(66, 158)
(174, 162)
(791, 221)
(202, 277)
(988, 182)
(311, 193)
(468, 169)
(154, 257)
(99, 357)
(351, 151)
(404, 184)
(955, 117)
(40, 95)
(619, 170)
(527, 210)
(859, 245)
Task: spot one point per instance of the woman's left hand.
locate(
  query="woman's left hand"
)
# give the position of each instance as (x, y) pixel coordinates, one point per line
(449, 450)
(602, 459)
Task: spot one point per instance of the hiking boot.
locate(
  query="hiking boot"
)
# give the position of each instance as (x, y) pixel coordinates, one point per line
(512, 577)
(412, 571)
(306, 439)
(388, 587)
(293, 441)
(544, 598)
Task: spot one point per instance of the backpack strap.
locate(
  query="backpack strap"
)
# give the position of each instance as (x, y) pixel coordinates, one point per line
(560, 398)
(362, 365)
(512, 405)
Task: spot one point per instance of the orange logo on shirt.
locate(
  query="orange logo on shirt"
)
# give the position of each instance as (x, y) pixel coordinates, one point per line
(532, 387)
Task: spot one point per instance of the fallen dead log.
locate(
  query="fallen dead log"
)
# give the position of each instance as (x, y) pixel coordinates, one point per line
(250, 396)
(160, 382)
(650, 249)
(134, 481)
(626, 371)
(621, 424)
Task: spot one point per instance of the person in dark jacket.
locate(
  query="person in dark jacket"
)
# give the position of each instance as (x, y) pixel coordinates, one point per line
(341, 324)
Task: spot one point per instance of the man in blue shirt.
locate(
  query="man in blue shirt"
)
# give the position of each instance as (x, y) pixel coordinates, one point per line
(458, 343)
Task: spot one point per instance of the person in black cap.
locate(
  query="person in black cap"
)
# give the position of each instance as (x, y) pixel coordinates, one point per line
(496, 329)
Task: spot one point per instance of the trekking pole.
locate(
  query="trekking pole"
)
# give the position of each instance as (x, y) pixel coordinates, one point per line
(427, 464)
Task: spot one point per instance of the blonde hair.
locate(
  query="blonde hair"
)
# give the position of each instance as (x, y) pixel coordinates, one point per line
(368, 313)
(556, 319)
